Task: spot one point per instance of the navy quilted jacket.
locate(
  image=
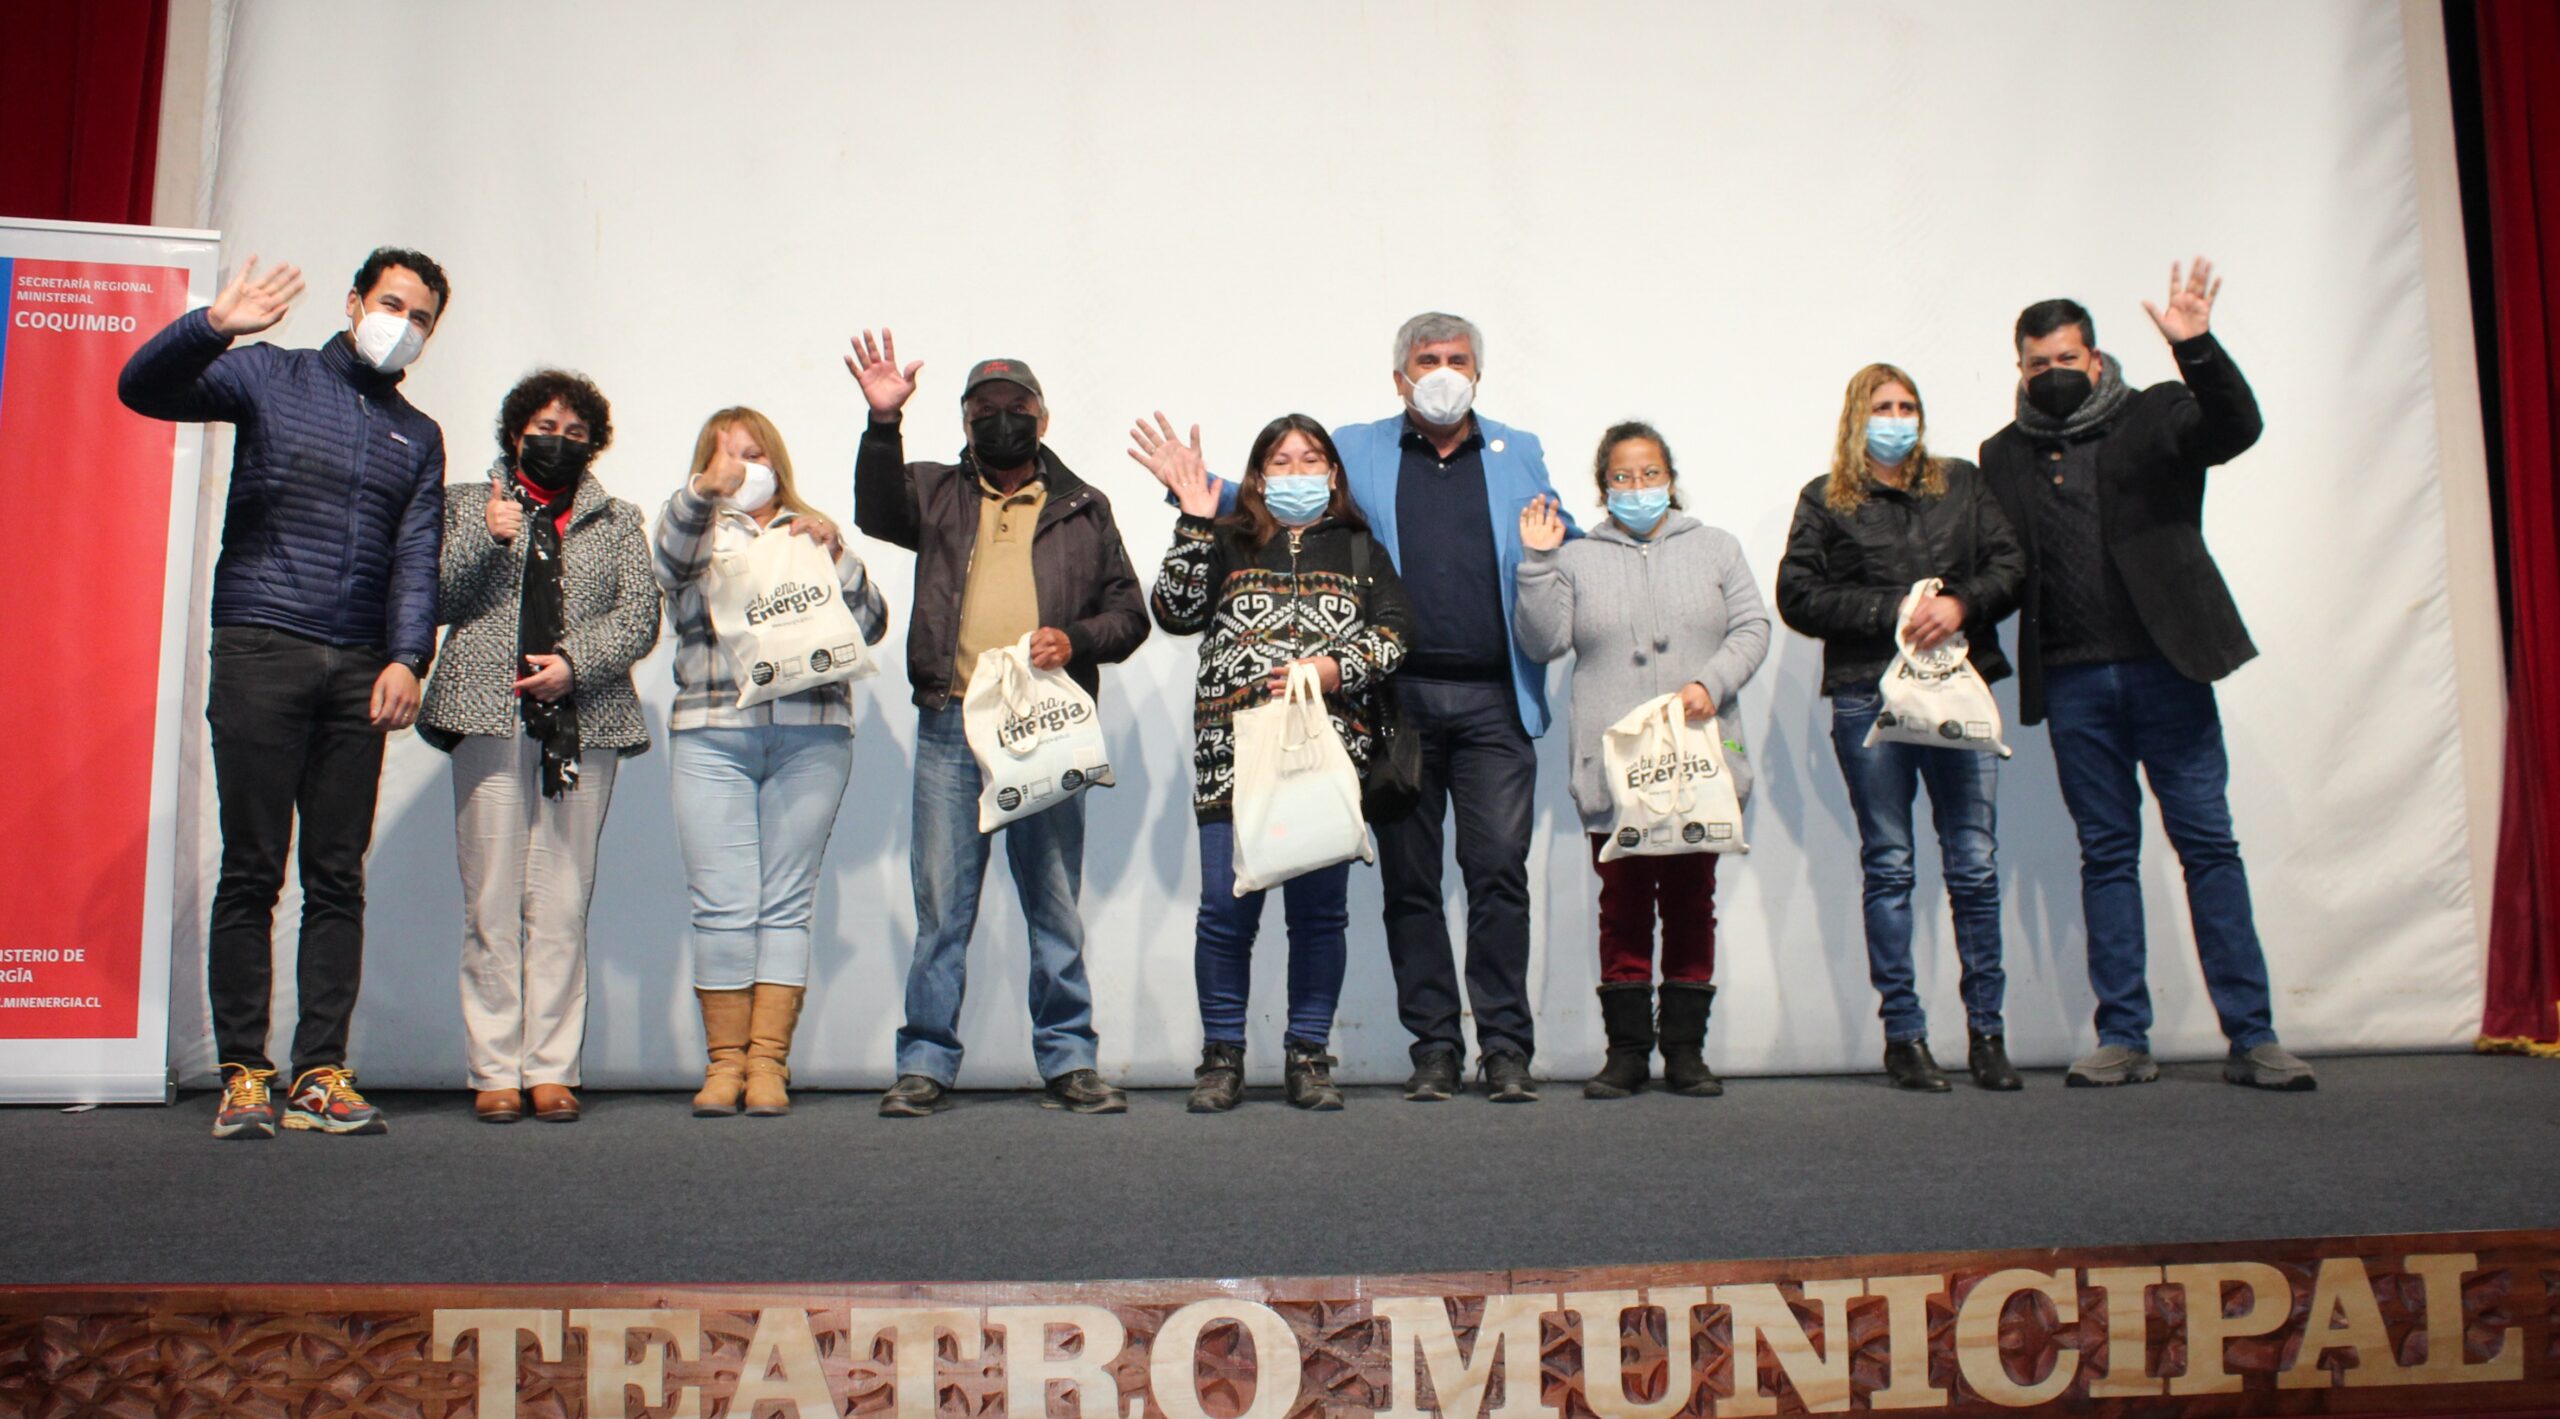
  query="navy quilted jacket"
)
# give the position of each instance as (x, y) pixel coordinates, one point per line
(336, 518)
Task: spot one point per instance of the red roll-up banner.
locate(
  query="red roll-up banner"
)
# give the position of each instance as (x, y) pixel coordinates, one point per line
(97, 555)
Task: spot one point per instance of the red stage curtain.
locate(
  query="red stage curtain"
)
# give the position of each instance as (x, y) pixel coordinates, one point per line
(80, 108)
(2519, 47)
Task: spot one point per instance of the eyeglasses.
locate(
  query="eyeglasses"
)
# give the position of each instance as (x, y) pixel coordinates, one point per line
(1649, 478)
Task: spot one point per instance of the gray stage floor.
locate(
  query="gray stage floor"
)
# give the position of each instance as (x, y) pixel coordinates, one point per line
(1001, 1189)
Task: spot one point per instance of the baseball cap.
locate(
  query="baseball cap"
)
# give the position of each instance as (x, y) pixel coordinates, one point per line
(1012, 371)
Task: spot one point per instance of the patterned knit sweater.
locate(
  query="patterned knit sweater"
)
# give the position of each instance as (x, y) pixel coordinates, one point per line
(1256, 609)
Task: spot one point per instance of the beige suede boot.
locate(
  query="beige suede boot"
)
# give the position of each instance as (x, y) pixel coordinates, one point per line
(769, 1031)
(724, 1032)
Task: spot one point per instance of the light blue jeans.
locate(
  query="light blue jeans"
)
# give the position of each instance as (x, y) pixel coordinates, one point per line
(754, 808)
(1046, 851)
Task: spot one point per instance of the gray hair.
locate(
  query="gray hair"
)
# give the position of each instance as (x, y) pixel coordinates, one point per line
(1430, 328)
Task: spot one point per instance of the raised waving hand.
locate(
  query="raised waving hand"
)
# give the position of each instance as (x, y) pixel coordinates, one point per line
(1176, 464)
(874, 363)
(2190, 309)
(252, 302)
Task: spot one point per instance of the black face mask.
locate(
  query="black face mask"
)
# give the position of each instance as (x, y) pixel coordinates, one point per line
(2058, 393)
(551, 462)
(1004, 438)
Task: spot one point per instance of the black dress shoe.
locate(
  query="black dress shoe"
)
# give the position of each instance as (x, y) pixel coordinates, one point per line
(1081, 1091)
(1989, 1061)
(1435, 1077)
(1218, 1084)
(1506, 1077)
(1909, 1063)
(914, 1096)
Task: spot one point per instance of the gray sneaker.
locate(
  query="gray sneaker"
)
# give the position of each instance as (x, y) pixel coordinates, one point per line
(2269, 1066)
(2110, 1065)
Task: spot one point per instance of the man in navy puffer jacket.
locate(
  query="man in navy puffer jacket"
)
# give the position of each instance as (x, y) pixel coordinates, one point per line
(324, 616)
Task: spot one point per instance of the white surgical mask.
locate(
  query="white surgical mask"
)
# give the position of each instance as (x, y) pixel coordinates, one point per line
(388, 342)
(755, 492)
(1442, 397)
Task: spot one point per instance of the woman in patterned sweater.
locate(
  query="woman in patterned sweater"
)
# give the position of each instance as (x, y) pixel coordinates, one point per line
(1292, 575)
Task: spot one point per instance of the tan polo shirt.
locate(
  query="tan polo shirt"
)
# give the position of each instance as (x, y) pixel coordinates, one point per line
(1000, 604)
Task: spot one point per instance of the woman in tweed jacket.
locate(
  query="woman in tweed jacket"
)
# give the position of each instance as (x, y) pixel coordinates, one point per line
(536, 730)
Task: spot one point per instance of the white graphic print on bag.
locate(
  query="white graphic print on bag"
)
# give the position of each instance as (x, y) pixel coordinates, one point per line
(791, 598)
(1655, 771)
(1040, 719)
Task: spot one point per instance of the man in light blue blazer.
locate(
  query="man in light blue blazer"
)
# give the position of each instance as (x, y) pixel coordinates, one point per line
(1442, 488)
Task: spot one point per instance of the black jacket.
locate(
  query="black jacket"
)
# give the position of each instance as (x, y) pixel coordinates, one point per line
(2151, 475)
(1845, 574)
(1257, 608)
(1078, 563)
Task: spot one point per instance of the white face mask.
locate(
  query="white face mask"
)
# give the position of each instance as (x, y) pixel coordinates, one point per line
(755, 492)
(388, 342)
(1442, 397)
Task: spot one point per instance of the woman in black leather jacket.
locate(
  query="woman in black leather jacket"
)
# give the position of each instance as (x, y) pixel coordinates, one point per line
(1890, 514)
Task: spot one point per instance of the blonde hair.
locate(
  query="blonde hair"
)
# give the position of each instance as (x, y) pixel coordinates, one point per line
(1848, 486)
(761, 429)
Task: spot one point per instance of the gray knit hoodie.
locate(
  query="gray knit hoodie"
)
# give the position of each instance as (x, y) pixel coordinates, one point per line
(1643, 617)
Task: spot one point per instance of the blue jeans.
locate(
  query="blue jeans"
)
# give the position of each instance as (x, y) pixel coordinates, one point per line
(1319, 915)
(2106, 720)
(1962, 787)
(949, 863)
(753, 809)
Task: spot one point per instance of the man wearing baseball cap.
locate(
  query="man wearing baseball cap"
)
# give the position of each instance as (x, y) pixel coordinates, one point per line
(1008, 543)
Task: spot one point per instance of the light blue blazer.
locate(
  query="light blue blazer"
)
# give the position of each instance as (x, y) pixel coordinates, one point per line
(1515, 471)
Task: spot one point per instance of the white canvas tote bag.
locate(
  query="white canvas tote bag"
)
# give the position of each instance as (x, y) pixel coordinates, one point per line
(781, 617)
(1935, 696)
(1034, 733)
(1673, 789)
(1297, 795)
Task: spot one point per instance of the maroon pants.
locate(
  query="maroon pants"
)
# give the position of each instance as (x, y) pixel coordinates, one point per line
(1682, 890)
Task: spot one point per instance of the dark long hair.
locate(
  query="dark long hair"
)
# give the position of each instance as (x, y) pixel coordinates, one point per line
(1252, 517)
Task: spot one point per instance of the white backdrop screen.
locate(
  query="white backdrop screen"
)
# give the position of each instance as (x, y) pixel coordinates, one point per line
(1708, 215)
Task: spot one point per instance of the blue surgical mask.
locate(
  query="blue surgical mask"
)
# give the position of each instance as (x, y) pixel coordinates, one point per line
(1638, 509)
(1890, 441)
(1298, 499)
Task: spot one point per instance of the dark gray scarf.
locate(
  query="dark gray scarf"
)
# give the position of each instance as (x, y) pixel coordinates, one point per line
(2104, 400)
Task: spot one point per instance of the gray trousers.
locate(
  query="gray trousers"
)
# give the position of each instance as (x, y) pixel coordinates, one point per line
(528, 873)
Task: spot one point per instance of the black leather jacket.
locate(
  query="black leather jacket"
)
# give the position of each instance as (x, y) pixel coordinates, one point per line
(1845, 574)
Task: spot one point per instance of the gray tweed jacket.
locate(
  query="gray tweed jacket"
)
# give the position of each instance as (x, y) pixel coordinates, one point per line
(613, 606)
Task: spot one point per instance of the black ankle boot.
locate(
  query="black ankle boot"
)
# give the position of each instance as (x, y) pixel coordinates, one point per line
(1626, 1015)
(1684, 1039)
(1307, 1075)
(1989, 1061)
(1218, 1084)
(1911, 1066)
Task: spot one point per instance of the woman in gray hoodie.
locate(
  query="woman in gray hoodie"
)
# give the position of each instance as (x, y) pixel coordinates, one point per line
(1651, 603)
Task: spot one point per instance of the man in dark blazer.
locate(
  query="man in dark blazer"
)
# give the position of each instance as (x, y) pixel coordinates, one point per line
(2123, 626)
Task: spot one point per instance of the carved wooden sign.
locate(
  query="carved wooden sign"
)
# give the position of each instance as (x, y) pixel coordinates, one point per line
(2453, 1324)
